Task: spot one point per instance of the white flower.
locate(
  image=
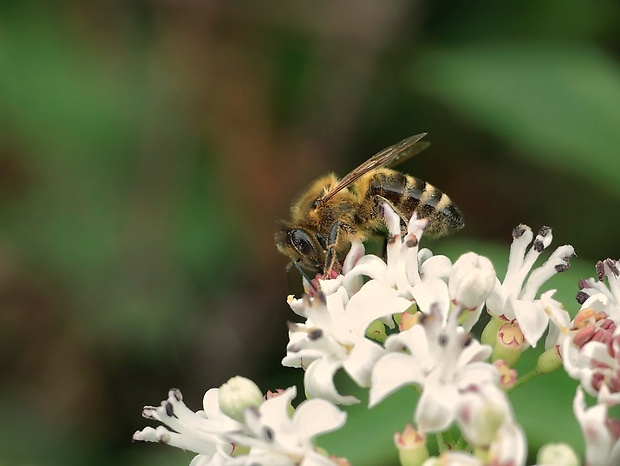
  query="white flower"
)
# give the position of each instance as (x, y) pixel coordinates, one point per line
(440, 357)
(599, 431)
(509, 447)
(275, 438)
(471, 280)
(202, 432)
(610, 269)
(333, 337)
(406, 265)
(481, 411)
(515, 298)
(558, 316)
(590, 350)
(268, 433)
(596, 365)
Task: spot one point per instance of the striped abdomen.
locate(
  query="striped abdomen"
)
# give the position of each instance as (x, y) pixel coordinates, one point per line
(408, 194)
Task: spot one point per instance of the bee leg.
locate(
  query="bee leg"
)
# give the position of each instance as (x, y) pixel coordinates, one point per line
(330, 251)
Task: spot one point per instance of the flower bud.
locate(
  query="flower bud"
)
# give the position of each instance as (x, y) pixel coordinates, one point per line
(507, 376)
(376, 331)
(411, 446)
(549, 361)
(489, 334)
(481, 412)
(557, 454)
(471, 280)
(238, 394)
(509, 344)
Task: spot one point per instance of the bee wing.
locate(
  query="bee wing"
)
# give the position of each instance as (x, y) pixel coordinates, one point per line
(388, 157)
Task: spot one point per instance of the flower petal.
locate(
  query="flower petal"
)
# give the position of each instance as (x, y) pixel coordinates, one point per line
(316, 416)
(319, 382)
(392, 371)
(532, 319)
(361, 360)
(436, 409)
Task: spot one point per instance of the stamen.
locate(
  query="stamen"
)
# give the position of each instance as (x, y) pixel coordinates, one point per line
(411, 241)
(600, 271)
(518, 231)
(583, 283)
(169, 409)
(582, 296)
(268, 434)
(176, 394)
(543, 239)
(612, 266)
(559, 268)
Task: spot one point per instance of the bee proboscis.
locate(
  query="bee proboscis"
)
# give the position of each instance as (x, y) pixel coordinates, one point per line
(332, 212)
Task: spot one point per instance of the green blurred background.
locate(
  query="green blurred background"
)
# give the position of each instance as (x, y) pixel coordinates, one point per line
(148, 147)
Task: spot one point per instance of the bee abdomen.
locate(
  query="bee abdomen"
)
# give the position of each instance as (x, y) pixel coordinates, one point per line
(408, 194)
(389, 186)
(445, 217)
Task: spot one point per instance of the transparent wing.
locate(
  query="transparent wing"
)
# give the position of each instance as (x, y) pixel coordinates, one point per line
(388, 157)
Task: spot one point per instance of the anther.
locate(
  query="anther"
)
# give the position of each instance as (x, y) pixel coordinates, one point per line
(600, 271)
(518, 231)
(315, 334)
(411, 241)
(582, 296)
(544, 231)
(176, 393)
(268, 433)
(612, 266)
(467, 340)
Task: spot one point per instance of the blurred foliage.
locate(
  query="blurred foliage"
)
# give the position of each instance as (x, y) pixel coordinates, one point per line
(148, 147)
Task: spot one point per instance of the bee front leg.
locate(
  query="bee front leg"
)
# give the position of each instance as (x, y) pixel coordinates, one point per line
(331, 260)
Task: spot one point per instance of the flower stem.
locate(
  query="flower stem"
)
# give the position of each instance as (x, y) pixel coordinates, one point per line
(525, 378)
(441, 446)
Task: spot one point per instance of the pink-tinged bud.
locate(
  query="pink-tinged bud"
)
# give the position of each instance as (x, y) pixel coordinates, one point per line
(471, 280)
(408, 319)
(507, 376)
(411, 446)
(509, 344)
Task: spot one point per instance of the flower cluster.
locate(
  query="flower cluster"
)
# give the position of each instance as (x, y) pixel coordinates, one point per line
(237, 427)
(407, 320)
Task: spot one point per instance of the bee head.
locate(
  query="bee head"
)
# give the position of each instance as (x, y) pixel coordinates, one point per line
(301, 246)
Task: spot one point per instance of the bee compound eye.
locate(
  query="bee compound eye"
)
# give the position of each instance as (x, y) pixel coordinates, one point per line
(302, 242)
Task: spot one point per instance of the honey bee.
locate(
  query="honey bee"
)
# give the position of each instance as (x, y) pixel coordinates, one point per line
(332, 212)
